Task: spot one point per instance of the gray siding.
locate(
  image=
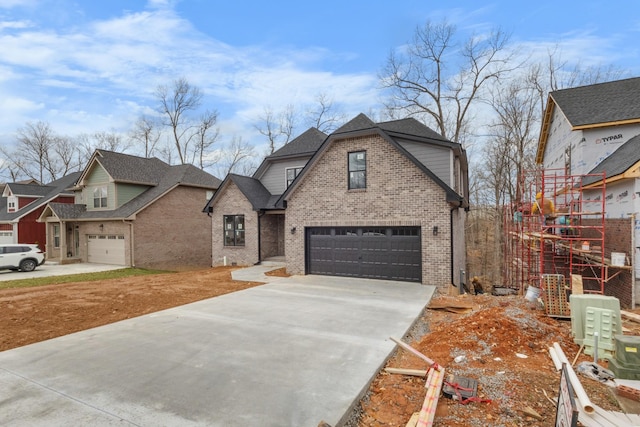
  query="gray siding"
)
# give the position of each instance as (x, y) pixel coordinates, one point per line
(274, 178)
(437, 159)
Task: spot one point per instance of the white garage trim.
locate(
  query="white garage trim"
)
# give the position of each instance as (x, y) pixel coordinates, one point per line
(106, 249)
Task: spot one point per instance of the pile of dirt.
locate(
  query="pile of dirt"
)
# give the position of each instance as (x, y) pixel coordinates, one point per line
(502, 344)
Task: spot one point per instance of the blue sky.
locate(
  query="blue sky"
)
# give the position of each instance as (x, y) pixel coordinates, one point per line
(85, 66)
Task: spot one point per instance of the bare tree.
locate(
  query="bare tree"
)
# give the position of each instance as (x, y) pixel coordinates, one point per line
(324, 115)
(557, 73)
(206, 135)
(439, 78)
(32, 156)
(111, 141)
(278, 128)
(175, 103)
(145, 133)
(40, 154)
(237, 158)
(67, 159)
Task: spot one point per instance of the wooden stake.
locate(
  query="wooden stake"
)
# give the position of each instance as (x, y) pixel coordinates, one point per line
(577, 354)
(410, 372)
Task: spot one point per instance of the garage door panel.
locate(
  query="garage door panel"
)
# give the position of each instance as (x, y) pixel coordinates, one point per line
(380, 253)
(106, 249)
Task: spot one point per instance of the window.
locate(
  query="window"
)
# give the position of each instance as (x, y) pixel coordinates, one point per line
(11, 203)
(357, 170)
(100, 197)
(292, 173)
(56, 235)
(233, 230)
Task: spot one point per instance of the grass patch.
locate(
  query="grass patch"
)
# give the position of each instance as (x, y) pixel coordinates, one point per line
(83, 277)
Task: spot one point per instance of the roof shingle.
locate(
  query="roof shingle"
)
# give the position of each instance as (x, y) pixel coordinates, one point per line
(600, 103)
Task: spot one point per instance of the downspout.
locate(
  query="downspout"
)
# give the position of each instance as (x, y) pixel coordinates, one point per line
(452, 243)
(260, 214)
(451, 251)
(131, 243)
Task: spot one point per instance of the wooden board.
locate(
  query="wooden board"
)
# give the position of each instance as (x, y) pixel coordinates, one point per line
(631, 316)
(576, 284)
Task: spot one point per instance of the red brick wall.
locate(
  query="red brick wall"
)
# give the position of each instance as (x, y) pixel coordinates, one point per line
(173, 233)
(398, 193)
(617, 239)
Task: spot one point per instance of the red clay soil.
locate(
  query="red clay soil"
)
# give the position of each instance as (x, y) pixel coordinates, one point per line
(29, 315)
(489, 340)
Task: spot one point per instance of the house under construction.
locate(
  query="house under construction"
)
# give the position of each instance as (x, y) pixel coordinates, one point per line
(559, 240)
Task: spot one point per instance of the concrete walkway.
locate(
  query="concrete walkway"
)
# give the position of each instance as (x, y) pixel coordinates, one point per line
(288, 353)
(53, 269)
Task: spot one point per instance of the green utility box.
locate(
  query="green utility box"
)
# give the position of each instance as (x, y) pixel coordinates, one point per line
(606, 323)
(626, 363)
(628, 350)
(579, 305)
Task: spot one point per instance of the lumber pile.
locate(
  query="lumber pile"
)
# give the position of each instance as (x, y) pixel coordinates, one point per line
(435, 379)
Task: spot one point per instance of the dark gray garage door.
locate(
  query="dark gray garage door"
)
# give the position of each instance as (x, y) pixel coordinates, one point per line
(392, 253)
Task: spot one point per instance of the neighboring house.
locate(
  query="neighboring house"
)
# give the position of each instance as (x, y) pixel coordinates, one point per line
(22, 203)
(383, 201)
(133, 211)
(594, 129)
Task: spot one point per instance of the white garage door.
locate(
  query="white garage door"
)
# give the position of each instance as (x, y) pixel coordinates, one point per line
(6, 237)
(106, 249)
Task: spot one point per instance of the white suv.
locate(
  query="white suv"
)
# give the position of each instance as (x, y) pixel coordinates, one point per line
(20, 257)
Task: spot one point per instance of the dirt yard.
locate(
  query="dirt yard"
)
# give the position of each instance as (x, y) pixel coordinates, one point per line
(487, 337)
(29, 315)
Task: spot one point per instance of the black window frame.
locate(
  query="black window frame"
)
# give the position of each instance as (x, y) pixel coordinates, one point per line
(296, 172)
(354, 183)
(234, 235)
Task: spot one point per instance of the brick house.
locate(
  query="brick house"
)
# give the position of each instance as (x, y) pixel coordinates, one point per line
(133, 211)
(22, 203)
(376, 200)
(591, 130)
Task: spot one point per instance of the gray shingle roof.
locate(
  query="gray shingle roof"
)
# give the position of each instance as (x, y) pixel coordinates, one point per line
(600, 103)
(359, 122)
(253, 190)
(126, 168)
(55, 188)
(307, 143)
(34, 190)
(67, 210)
(411, 126)
(627, 155)
(158, 175)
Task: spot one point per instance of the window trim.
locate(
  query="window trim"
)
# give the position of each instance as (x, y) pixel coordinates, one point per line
(56, 235)
(349, 170)
(103, 200)
(237, 220)
(297, 170)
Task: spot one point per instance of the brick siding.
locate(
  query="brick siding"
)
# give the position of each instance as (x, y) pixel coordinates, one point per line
(173, 233)
(398, 193)
(617, 239)
(232, 202)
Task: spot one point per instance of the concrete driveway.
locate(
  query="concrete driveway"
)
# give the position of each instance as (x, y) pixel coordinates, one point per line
(49, 269)
(292, 352)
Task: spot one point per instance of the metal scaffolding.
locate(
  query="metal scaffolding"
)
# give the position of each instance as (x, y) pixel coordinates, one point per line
(556, 228)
